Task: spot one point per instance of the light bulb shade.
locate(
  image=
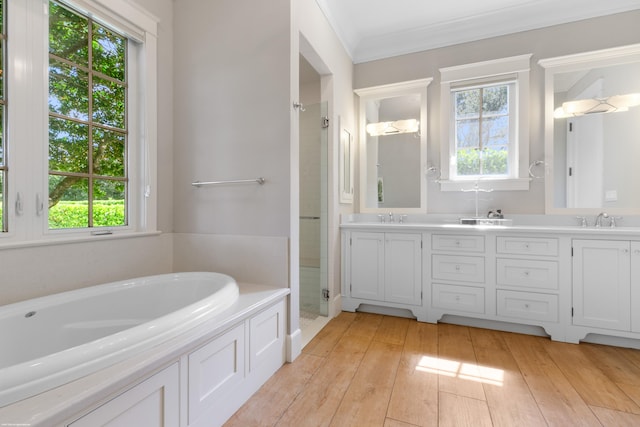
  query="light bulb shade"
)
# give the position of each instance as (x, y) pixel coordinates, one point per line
(393, 128)
(580, 107)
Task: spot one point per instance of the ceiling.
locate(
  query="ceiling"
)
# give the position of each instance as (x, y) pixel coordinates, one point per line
(375, 29)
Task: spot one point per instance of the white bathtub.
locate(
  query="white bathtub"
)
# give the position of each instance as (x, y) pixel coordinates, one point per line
(50, 341)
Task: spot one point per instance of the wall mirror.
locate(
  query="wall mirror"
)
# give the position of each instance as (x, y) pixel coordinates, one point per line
(592, 132)
(393, 147)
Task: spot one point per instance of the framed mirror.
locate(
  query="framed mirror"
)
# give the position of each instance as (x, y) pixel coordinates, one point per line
(346, 166)
(592, 132)
(393, 147)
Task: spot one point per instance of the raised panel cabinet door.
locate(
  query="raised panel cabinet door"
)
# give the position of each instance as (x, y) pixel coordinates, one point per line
(635, 286)
(602, 284)
(403, 268)
(367, 266)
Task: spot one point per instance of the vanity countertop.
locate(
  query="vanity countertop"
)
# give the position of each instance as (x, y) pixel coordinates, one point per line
(450, 223)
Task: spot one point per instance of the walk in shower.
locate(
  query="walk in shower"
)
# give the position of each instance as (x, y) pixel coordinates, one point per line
(313, 212)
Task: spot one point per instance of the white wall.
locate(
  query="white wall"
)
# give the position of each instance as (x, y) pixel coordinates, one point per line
(600, 33)
(30, 272)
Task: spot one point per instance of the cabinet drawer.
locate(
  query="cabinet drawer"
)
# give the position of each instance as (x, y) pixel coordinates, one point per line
(468, 299)
(527, 246)
(527, 305)
(452, 242)
(527, 273)
(458, 268)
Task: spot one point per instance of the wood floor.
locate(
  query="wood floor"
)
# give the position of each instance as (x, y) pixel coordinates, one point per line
(372, 370)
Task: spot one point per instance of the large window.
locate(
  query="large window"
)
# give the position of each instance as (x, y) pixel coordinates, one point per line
(87, 122)
(485, 125)
(81, 121)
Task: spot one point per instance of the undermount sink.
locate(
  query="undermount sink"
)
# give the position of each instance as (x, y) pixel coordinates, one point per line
(486, 221)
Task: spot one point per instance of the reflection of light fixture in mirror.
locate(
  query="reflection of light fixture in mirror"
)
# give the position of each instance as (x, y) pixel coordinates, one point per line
(611, 104)
(392, 128)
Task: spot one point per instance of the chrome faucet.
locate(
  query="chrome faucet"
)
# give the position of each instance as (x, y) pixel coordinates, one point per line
(390, 216)
(599, 218)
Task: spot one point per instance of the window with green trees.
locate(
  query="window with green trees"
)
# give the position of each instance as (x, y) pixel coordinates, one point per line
(482, 130)
(87, 122)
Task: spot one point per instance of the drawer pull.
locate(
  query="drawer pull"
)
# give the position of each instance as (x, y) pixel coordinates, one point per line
(457, 242)
(457, 298)
(525, 274)
(526, 306)
(457, 267)
(526, 246)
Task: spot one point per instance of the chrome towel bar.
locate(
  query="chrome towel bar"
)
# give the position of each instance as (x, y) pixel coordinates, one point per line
(259, 180)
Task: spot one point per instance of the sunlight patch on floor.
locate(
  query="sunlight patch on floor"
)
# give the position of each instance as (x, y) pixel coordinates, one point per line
(462, 370)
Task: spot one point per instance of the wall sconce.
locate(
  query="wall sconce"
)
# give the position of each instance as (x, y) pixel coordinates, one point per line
(617, 103)
(392, 128)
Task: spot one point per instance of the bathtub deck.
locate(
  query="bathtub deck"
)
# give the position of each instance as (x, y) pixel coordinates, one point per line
(59, 404)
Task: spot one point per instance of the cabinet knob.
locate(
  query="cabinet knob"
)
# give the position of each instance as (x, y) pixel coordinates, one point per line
(457, 242)
(526, 306)
(457, 298)
(525, 274)
(457, 268)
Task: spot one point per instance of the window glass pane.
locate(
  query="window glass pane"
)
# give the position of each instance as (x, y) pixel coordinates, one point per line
(68, 35)
(495, 100)
(2, 163)
(108, 203)
(3, 222)
(68, 146)
(495, 132)
(68, 202)
(108, 103)
(467, 135)
(108, 153)
(467, 103)
(494, 162)
(108, 52)
(468, 162)
(68, 90)
(1, 63)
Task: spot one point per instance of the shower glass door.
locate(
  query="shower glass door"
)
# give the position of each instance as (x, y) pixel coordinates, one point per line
(313, 211)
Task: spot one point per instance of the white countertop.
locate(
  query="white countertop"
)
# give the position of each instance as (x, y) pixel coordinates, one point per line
(521, 224)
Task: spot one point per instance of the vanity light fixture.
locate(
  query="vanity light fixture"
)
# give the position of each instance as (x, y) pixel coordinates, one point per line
(393, 128)
(616, 103)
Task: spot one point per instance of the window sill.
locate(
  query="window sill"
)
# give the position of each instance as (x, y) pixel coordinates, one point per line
(509, 184)
(74, 239)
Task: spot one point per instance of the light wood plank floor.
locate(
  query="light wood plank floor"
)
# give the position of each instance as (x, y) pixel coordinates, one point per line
(372, 370)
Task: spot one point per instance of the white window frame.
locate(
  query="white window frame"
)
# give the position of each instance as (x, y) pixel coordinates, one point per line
(27, 128)
(514, 68)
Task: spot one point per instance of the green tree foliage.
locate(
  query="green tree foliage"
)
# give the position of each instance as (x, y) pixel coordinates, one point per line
(87, 124)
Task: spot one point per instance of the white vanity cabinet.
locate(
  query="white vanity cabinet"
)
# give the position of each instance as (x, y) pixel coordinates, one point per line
(602, 284)
(382, 268)
(527, 278)
(457, 275)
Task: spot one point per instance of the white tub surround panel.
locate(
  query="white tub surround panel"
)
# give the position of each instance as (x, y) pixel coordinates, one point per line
(230, 355)
(570, 282)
